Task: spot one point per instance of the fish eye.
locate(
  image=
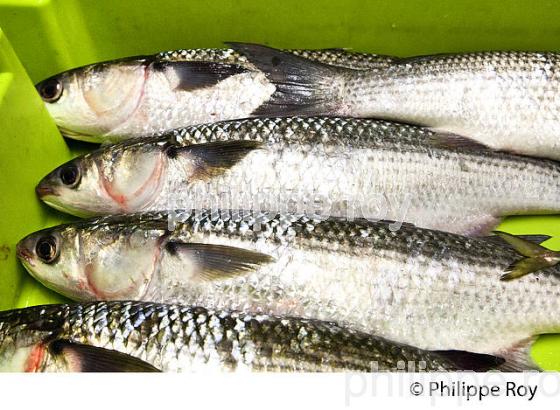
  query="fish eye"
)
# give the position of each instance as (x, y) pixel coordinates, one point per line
(50, 90)
(70, 175)
(46, 249)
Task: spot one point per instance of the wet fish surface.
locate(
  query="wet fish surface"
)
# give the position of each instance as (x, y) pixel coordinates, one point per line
(328, 166)
(130, 97)
(430, 289)
(132, 336)
(332, 56)
(505, 100)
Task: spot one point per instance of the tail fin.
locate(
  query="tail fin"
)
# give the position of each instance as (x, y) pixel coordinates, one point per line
(303, 87)
(518, 357)
(537, 257)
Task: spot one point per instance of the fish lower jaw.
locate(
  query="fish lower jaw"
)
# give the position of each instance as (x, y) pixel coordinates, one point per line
(80, 213)
(75, 135)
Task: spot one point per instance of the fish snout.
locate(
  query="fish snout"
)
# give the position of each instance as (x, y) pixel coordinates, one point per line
(44, 190)
(24, 250)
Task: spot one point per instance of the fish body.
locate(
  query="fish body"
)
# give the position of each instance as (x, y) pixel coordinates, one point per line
(329, 166)
(172, 338)
(135, 96)
(430, 289)
(338, 57)
(505, 100)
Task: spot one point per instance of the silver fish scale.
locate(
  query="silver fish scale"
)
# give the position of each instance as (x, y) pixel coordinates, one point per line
(312, 232)
(350, 132)
(336, 57)
(334, 234)
(506, 100)
(305, 130)
(120, 224)
(409, 285)
(402, 162)
(338, 234)
(176, 338)
(334, 166)
(430, 289)
(17, 325)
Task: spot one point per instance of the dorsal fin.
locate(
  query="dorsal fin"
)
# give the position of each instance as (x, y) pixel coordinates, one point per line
(303, 86)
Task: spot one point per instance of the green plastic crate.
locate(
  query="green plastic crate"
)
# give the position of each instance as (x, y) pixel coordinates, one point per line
(50, 36)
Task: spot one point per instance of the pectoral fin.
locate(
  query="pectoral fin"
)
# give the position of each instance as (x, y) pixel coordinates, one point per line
(537, 257)
(477, 362)
(195, 75)
(216, 262)
(214, 158)
(85, 358)
(448, 140)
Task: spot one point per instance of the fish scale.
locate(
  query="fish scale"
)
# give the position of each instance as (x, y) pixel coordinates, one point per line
(480, 118)
(180, 338)
(336, 57)
(425, 288)
(433, 265)
(333, 166)
(504, 100)
(136, 96)
(299, 130)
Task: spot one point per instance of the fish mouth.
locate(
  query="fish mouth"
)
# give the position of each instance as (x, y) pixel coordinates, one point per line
(43, 191)
(24, 254)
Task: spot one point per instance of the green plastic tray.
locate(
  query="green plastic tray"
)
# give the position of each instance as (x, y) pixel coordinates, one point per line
(50, 36)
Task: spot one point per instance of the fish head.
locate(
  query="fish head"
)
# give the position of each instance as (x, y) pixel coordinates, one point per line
(72, 188)
(95, 100)
(24, 340)
(120, 178)
(37, 355)
(23, 357)
(103, 259)
(39, 339)
(52, 256)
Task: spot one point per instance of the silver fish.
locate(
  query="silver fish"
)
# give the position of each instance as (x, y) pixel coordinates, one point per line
(114, 100)
(330, 166)
(430, 289)
(505, 100)
(131, 336)
(333, 56)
